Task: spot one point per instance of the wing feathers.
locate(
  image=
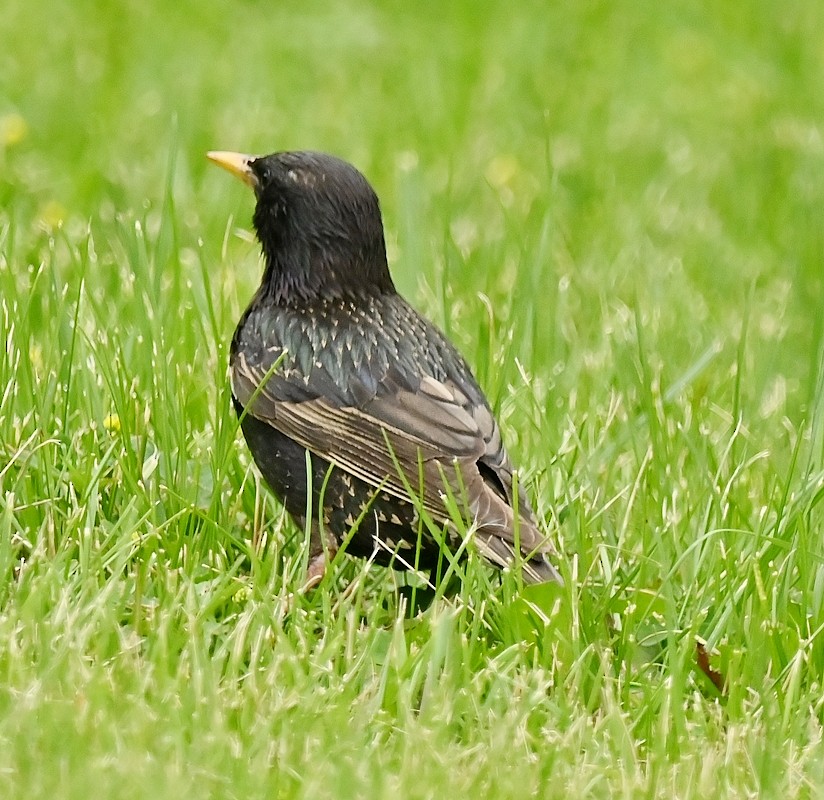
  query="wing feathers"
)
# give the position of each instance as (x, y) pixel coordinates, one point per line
(434, 428)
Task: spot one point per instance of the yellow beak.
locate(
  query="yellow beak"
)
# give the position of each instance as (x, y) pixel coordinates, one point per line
(236, 163)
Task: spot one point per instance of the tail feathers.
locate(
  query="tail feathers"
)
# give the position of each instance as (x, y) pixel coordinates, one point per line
(538, 570)
(535, 568)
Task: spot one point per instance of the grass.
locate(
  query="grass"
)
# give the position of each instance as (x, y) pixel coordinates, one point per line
(612, 208)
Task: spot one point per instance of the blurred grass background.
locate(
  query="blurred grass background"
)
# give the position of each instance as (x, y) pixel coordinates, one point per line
(612, 208)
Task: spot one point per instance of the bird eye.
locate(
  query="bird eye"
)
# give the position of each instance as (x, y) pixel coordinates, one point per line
(260, 170)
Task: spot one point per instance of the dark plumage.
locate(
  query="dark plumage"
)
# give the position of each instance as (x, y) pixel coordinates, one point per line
(362, 382)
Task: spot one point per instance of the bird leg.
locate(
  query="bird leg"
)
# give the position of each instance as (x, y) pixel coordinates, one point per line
(322, 549)
(314, 572)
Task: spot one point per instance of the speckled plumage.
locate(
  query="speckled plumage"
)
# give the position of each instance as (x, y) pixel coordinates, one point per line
(328, 359)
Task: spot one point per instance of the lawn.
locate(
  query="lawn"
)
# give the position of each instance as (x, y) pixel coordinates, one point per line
(613, 209)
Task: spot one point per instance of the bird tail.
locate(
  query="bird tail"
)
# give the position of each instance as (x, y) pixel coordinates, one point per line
(535, 567)
(538, 570)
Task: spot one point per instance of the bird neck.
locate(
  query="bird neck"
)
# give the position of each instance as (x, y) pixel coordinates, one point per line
(303, 280)
(304, 273)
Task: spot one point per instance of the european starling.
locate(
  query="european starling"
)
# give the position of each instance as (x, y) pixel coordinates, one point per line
(330, 360)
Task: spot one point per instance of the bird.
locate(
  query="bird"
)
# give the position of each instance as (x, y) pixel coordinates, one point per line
(363, 419)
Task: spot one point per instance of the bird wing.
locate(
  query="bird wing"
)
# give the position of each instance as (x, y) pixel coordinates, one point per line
(430, 439)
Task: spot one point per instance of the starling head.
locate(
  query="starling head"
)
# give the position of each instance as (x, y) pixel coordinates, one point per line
(319, 225)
